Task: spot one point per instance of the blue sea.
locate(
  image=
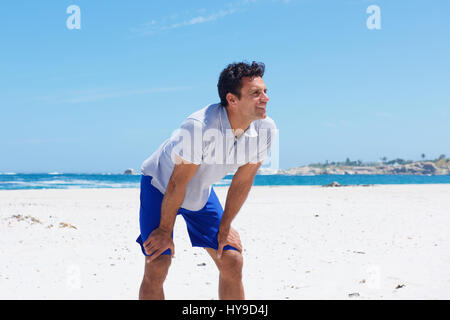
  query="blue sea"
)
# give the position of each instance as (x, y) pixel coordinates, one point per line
(20, 181)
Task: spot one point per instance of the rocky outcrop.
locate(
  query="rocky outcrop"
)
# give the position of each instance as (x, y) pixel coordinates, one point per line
(333, 184)
(130, 172)
(415, 168)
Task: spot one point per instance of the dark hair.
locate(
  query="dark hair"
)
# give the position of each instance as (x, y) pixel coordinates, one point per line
(230, 78)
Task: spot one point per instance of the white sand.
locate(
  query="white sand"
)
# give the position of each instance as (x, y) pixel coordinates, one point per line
(300, 243)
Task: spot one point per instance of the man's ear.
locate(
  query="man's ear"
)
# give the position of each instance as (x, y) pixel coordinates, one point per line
(231, 98)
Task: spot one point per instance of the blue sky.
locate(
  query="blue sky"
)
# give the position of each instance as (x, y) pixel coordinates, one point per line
(102, 98)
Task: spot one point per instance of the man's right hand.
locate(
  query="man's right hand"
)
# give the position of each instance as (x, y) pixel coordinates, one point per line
(159, 241)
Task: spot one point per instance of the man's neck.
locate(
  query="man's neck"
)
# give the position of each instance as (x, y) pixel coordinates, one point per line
(238, 125)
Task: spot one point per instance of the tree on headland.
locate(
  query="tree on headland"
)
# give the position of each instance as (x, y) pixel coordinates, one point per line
(399, 161)
(384, 159)
(423, 156)
(442, 162)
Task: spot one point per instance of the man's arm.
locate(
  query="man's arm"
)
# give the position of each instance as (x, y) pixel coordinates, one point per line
(161, 238)
(237, 194)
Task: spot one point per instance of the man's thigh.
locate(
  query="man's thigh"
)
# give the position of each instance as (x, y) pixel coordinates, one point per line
(149, 211)
(203, 225)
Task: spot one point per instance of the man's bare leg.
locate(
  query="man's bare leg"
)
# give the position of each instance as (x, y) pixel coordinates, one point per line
(230, 278)
(154, 275)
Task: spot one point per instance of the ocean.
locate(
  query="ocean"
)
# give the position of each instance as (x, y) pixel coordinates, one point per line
(21, 181)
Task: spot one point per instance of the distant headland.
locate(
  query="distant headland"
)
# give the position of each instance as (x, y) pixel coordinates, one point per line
(438, 166)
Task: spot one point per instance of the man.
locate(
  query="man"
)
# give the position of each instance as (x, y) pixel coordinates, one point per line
(177, 179)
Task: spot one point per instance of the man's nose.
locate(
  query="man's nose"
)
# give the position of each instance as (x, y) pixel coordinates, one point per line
(265, 97)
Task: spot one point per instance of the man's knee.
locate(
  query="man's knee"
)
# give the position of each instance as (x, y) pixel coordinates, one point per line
(230, 266)
(156, 271)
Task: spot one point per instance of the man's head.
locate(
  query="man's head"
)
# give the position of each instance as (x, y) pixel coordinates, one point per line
(241, 86)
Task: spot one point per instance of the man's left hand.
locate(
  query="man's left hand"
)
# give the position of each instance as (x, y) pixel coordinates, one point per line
(228, 236)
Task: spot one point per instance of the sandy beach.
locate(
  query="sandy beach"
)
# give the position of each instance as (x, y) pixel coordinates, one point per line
(300, 242)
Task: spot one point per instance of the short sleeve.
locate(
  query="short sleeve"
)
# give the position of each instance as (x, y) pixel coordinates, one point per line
(188, 142)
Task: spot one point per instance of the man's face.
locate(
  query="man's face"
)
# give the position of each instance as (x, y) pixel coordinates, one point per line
(253, 101)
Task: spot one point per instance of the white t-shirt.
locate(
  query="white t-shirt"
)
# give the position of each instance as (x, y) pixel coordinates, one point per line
(206, 138)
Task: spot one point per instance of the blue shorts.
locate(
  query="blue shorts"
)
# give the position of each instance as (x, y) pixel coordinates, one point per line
(202, 225)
